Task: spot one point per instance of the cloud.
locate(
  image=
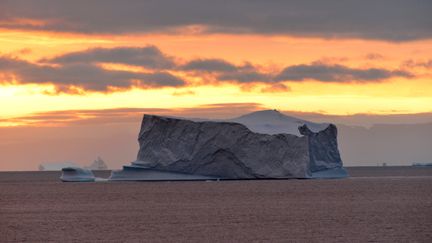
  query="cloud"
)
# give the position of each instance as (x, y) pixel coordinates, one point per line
(224, 71)
(129, 115)
(87, 76)
(337, 73)
(365, 119)
(183, 93)
(209, 65)
(77, 72)
(245, 76)
(210, 111)
(150, 57)
(374, 56)
(424, 64)
(385, 19)
(276, 88)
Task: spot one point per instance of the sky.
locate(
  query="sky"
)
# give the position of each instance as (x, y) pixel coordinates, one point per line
(72, 62)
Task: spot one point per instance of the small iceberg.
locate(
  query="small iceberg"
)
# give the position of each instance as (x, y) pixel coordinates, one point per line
(97, 164)
(76, 174)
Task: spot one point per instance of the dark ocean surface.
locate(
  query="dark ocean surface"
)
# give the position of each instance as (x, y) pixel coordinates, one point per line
(376, 204)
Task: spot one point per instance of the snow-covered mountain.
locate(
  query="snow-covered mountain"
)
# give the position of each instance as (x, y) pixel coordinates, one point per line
(273, 122)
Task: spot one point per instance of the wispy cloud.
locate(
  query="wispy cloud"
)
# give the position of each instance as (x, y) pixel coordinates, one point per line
(337, 73)
(128, 115)
(87, 76)
(209, 65)
(275, 88)
(418, 63)
(210, 111)
(75, 71)
(149, 57)
(365, 119)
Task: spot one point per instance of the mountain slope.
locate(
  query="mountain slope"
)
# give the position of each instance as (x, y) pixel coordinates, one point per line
(273, 122)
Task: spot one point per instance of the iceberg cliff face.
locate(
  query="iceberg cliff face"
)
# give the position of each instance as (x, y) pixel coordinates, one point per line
(229, 150)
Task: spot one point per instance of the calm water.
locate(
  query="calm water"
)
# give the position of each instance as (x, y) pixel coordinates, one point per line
(391, 204)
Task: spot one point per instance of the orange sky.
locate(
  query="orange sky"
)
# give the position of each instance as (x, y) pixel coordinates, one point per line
(74, 75)
(268, 53)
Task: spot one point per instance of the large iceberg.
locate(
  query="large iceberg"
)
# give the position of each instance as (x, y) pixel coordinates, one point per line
(260, 145)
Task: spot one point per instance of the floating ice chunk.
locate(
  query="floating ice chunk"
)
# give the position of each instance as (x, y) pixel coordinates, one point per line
(98, 179)
(76, 174)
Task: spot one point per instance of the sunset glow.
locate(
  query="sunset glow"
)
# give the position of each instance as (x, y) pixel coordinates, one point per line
(402, 69)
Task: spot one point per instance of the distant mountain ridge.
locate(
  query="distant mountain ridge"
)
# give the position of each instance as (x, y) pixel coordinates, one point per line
(274, 122)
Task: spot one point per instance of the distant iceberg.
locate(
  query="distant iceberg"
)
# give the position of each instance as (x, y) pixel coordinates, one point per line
(97, 164)
(422, 164)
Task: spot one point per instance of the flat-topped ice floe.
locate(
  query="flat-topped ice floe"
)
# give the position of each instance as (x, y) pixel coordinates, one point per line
(76, 174)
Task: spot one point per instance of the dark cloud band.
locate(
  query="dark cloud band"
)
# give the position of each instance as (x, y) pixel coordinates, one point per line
(81, 70)
(149, 57)
(209, 65)
(337, 73)
(85, 75)
(395, 20)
